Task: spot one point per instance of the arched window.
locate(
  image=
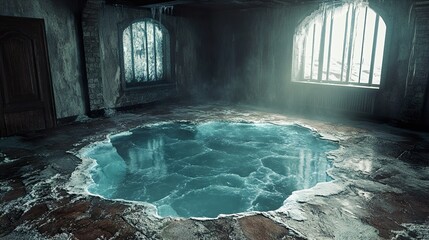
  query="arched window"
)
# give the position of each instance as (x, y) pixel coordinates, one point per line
(145, 53)
(340, 45)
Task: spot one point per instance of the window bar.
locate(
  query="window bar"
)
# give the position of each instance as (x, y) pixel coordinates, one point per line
(312, 52)
(154, 50)
(330, 47)
(363, 43)
(303, 58)
(344, 46)
(132, 54)
(164, 54)
(322, 48)
(374, 48)
(147, 51)
(349, 58)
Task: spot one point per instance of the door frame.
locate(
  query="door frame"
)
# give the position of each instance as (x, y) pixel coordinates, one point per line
(50, 119)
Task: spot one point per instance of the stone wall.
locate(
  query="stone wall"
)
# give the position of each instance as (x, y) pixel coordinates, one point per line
(415, 105)
(111, 19)
(253, 59)
(64, 49)
(251, 52)
(91, 42)
(194, 56)
(238, 55)
(102, 51)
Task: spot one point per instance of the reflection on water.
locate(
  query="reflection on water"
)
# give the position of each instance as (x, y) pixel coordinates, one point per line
(311, 169)
(212, 168)
(143, 154)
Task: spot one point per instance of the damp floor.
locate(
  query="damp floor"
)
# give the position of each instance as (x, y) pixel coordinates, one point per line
(380, 188)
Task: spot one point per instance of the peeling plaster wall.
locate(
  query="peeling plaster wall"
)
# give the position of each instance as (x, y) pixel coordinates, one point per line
(109, 47)
(187, 57)
(63, 47)
(399, 39)
(193, 56)
(252, 54)
(416, 103)
(253, 59)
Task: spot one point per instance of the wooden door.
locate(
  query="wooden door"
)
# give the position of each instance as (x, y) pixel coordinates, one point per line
(26, 102)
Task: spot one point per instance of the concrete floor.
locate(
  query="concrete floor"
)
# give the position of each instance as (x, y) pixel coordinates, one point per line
(380, 191)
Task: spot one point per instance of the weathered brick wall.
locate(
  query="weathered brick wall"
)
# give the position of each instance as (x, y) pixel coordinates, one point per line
(112, 21)
(91, 42)
(417, 81)
(100, 24)
(135, 98)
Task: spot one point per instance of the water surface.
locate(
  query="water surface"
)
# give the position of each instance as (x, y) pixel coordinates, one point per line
(207, 169)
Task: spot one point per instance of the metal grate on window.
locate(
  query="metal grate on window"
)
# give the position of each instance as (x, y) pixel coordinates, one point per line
(143, 46)
(340, 45)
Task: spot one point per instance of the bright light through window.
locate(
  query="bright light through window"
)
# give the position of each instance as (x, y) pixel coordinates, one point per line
(341, 45)
(144, 52)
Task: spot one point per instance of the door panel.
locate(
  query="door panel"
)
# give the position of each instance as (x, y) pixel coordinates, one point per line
(18, 61)
(26, 94)
(26, 119)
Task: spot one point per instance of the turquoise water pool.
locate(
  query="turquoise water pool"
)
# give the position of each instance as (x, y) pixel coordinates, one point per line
(205, 169)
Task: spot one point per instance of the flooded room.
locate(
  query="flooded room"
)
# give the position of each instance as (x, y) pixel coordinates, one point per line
(214, 119)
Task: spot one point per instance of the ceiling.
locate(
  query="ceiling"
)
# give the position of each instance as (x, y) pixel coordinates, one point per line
(211, 4)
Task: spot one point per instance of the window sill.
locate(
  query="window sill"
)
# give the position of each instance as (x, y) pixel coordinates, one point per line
(331, 84)
(163, 85)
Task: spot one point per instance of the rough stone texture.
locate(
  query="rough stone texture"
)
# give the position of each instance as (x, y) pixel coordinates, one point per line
(418, 78)
(188, 66)
(193, 56)
(253, 59)
(229, 55)
(63, 48)
(187, 229)
(260, 228)
(251, 54)
(91, 42)
(380, 188)
(111, 20)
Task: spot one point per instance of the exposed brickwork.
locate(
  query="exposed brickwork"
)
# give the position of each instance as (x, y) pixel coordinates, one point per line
(91, 42)
(97, 45)
(134, 98)
(419, 71)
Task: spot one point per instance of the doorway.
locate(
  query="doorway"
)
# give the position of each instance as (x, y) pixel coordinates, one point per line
(26, 101)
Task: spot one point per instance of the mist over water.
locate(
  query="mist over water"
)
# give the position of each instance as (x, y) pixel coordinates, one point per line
(207, 169)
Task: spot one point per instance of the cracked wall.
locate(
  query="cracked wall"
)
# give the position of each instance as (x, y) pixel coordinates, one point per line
(63, 49)
(187, 63)
(416, 102)
(253, 59)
